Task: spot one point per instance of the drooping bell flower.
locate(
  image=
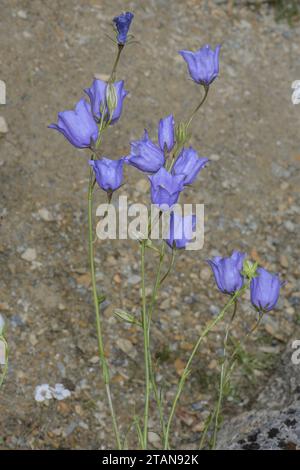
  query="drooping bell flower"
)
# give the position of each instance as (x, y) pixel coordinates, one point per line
(189, 164)
(181, 230)
(122, 23)
(78, 125)
(203, 65)
(265, 289)
(166, 133)
(108, 173)
(227, 272)
(98, 97)
(165, 188)
(145, 155)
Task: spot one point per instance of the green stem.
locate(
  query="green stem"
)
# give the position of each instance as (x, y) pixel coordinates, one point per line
(171, 265)
(5, 368)
(206, 90)
(187, 367)
(178, 148)
(113, 72)
(222, 378)
(146, 349)
(227, 374)
(150, 311)
(102, 358)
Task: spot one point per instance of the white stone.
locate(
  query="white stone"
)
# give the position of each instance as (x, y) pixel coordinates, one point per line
(29, 254)
(45, 214)
(3, 126)
(22, 14)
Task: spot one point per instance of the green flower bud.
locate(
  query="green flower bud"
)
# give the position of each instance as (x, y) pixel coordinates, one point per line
(111, 98)
(127, 317)
(249, 269)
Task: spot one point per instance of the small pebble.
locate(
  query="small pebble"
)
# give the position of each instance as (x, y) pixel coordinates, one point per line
(29, 254)
(3, 126)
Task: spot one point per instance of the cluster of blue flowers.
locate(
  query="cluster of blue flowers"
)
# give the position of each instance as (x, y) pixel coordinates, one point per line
(81, 127)
(230, 278)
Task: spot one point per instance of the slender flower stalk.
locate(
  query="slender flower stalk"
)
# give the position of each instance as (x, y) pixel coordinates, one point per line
(231, 361)
(112, 77)
(158, 282)
(150, 311)
(186, 370)
(5, 367)
(206, 90)
(98, 298)
(222, 377)
(145, 325)
(186, 127)
(97, 302)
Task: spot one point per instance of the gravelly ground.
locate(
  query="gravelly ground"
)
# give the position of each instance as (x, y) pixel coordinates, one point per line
(249, 128)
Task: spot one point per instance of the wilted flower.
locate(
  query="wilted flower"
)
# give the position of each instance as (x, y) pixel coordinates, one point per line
(78, 126)
(265, 289)
(166, 133)
(42, 392)
(189, 164)
(108, 173)
(98, 97)
(227, 272)
(181, 230)
(203, 64)
(165, 188)
(123, 23)
(60, 392)
(46, 392)
(145, 155)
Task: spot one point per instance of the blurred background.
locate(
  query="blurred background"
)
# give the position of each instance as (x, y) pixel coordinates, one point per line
(249, 128)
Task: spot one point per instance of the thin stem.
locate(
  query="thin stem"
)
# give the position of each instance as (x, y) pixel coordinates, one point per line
(171, 265)
(150, 311)
(187, 125)
(187, 367)
(102, 358)
(206, 90)
(226, 378)
(222, 378)
(232, 358)
(146, 349)
(5, 368)
(113, 72)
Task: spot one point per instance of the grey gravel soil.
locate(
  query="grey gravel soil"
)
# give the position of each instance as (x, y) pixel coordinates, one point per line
(249, 128)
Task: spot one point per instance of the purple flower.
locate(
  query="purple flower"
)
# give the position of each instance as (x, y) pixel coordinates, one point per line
(203, 64)
(123, 23)
(98, 93)
(108, 173)
(78, 126)
(165, 188)
(265, 290)
(181, 230)
(227, 272)
(145, 155)
(189, 164)
(166, 133)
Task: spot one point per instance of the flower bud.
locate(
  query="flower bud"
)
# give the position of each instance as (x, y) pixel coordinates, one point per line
(181, 135)
(127, 317)
(249, 269)
(111, 98)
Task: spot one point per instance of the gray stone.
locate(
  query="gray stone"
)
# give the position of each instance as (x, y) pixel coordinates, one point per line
(275, 421)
